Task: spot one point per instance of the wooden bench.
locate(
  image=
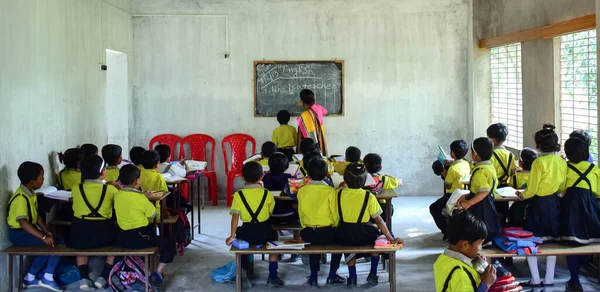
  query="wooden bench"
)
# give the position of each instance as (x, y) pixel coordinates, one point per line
(290, 227)
(172, 219)
(317, 249)
(62, 250)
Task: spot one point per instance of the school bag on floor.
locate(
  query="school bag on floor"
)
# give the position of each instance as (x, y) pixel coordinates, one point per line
(518, 241)
(224, 274)
(183, 230)
(128, 275)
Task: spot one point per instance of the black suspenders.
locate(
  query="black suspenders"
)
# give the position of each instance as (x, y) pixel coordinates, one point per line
(493, 182)
(30, 218)
(450, 277)
(254, 215)
(94, 211)
(506, 168)
(362, 210)
(582, 176)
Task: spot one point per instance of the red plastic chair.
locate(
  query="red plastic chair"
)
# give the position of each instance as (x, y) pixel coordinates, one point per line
(198, 145)
(168, 139)
(237, 143)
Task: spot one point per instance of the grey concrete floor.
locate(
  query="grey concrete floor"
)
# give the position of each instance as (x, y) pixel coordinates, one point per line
(412, 222)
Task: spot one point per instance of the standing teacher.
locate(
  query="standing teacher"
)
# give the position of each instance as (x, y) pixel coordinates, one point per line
(310, 122)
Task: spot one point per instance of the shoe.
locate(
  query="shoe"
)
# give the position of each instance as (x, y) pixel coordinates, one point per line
(313, 284)
(530, 285)
(50, 285)
(86, 285)
(373, 279)
(574, 287)
(156, 281)
(100, 283)
(275, 282)
(31, 284)
(351, 282)
(337, 280)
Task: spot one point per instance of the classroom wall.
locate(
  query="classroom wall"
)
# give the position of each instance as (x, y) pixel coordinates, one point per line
(500, 17)
(405, 72)
(52, 90)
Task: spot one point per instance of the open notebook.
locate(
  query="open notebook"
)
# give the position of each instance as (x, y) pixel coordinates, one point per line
(53, 193)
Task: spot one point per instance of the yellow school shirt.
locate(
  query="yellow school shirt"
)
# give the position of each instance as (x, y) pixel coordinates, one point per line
(112, 173)
(264, 162)
(69, 178)
(93, 191)
(285, 136)
(510, 165)
(133, 209)
(19, 210)
(519, 181)
(140, 167)
(317, 205)
(547, 176)
(340, 167)
(389, 183)
(457, 170)
(593, 177)
(253, 194)
(351, 202)
(483, 178)
(459, 280)
(152, 180)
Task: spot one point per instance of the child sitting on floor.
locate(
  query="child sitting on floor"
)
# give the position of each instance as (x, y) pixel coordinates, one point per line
(285, 136)
(112, 155)
(352, 155)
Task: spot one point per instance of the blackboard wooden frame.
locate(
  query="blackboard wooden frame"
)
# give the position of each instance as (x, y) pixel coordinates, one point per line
(341, 62)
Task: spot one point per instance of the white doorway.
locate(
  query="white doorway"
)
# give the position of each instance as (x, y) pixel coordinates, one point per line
(117, 112)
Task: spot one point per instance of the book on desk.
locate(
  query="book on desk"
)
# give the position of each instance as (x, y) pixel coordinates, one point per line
(53, 193)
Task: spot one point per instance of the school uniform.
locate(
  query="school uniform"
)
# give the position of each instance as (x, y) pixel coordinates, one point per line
(457, 170)
(285, 138)
(284, 212)
(516, 214)
(504, 164)
(175, 169)
(454, 272)
(254, 204)
(133, 210)
(152, 180)
(112, 173)
(546, 181)
(264, 162)
(92, 226)
(383, 182)
(483, 179)
(355, 208)
(318, 212)
(580, 207)
(304, 172)
(68, 178)
(340, 167)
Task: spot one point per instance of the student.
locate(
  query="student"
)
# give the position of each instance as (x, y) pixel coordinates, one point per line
(458, 169)
(285, 136)
(585, 136)
(133, 209)
(453, 270)
(91, 227)
(503, 162)
(516, 216)
(480, 200)
(275, 180)
(352, 155)
(135, 154)
(176, 169)
(266, 151)
(253, 205)
(318, 217)
(307, 145)
(70, 176)
(546, 180)
(580, 212)
(372, 162)
(150, 179)
(355, 208)
(89, 149)
(27, 228)
(112, 155)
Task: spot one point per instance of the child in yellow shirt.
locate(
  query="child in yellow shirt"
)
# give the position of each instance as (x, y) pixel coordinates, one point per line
(112, 155)
(135, 155)
(352, 155)
(373, 164)
(285, 136)
(150, 179)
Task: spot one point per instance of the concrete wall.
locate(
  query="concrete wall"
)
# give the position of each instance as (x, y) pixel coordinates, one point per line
(52, 90)
(499, 17)
(405, 74)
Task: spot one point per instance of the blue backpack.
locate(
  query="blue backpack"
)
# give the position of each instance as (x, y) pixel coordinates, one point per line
(518, 241)
(224, 274)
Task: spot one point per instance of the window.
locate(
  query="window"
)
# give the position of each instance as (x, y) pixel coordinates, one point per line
(578, 88)
(507, 92)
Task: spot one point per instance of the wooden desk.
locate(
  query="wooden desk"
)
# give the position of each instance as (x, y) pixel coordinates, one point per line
(164, 213)
(549, 249)
(194, 178)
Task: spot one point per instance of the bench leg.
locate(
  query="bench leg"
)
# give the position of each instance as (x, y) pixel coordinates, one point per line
(10, 273)
(146, 271)
(238, 272)
(191, 196)
(20, 273)
(392, 271)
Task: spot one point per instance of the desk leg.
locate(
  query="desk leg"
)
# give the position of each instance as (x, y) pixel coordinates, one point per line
(388, 215)
(238, 272)
(191, 192)
(146, 271)
(392, 271)
(10, 272)
(200, 203)
(20, 273)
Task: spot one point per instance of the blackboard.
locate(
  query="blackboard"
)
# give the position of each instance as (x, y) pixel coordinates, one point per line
(277, 86)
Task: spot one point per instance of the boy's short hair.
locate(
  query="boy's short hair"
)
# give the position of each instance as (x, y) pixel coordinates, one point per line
(317, 168)
(135, 154)
(29, 171)
(71, 158)
(355, 175)
(372, 162)
(150, 158)
(252, 171)
(459, 148)
(164, 152)
(307, 145)
(111, 153)
(91, 167)
(583, 135)
(528, 155)
(268, 149)
(307, 96)
(128, 174)
(283, 117)
(89, 149)
(576, 150)
(484, 147)
(498, 132)
(307, 157)
(278, 163)
(352, 154)
(465, 226)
